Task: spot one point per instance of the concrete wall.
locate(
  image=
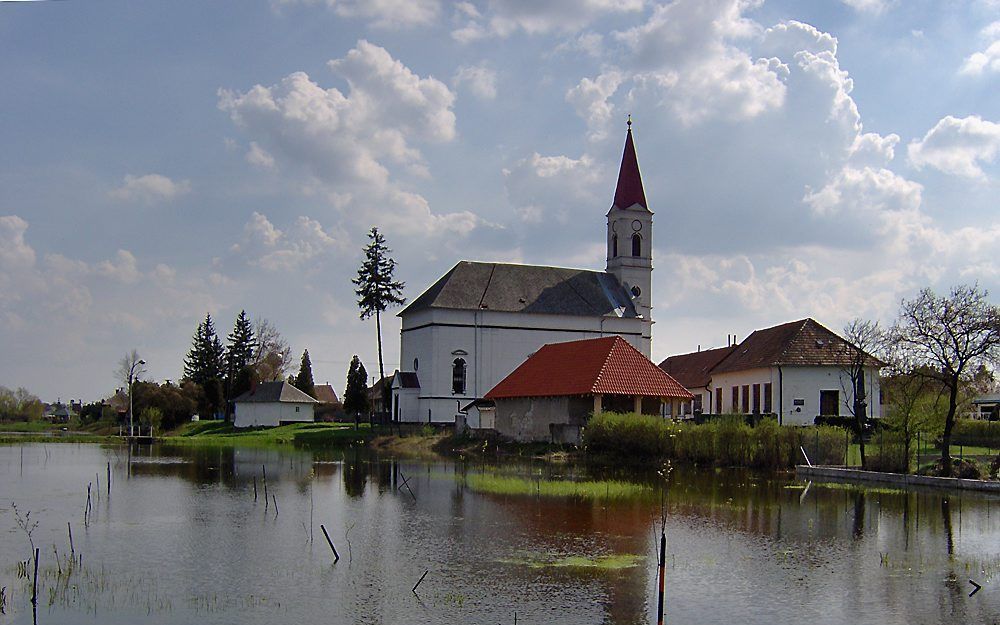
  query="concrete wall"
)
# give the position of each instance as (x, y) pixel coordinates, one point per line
(528, 418)
(492, 344)
(269, 414)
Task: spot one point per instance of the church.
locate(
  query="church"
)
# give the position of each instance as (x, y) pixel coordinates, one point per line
(481, 320)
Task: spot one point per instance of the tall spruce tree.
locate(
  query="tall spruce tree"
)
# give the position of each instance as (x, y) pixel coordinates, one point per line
(304, 380)
(204, 365)
(356, 391)
(377, 290)
(239, 357)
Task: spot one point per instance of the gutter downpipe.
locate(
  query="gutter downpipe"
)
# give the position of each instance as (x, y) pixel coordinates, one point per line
(781, 397)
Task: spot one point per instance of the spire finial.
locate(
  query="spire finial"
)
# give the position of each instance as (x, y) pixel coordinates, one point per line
(629, 122)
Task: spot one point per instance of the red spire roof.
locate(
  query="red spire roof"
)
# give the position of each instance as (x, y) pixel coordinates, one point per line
(605, 366)
(629, 190)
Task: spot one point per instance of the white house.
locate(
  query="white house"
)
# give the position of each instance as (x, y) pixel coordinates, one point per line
(481, 320)
(271, 404)
(796, 370)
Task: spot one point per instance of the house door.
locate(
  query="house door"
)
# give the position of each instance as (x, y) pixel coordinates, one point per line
(829, 403)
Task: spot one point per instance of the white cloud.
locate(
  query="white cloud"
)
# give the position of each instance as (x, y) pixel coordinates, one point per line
(260, 157)
(351, 147)
(590, 99)
(957, 146)
(15, 252)
(987, 60)
(150, 188)
(503, 18)
(380, 13)
(480, 80)
(875, 7)
(865, 192)
(686, 56)
(123, 268)
(549, 187)
(265, 246)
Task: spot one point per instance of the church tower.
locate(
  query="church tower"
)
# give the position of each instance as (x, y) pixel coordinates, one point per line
(630, 237)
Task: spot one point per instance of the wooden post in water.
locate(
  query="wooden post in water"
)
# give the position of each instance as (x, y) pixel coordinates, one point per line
(263, 468)
(255, 489)
(109, 478)
(414, 589)
(336, 556)
(663, 566)
(34, 582)
(275, 506)
(72, 552)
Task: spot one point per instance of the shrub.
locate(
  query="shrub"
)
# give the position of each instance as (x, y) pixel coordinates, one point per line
(977, 433)
(720, 441)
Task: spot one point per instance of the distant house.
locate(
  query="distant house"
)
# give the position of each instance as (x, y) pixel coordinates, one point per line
(329, 405)
(796, 370)
(553, 393)
(60, 412)
(272, 404)
(986, 407)
(376, 400)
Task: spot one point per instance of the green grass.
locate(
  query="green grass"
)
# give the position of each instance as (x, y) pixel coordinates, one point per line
(30, 426)
(512, 485)
(301, 434)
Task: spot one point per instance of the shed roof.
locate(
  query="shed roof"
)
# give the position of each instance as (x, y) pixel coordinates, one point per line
(694, 370)
(275, 392)
(605, 366)
(325, 394)
(471, 285)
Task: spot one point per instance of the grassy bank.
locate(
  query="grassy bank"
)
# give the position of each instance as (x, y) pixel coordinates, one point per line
(299, 434)
(721, 442)
(513, 485)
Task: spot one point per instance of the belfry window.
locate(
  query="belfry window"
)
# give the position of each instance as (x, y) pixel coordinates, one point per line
(636, 245)
(458, 369)
(614, 246)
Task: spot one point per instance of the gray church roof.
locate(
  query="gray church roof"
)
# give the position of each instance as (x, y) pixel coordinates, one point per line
(275, 392)
(526, 289)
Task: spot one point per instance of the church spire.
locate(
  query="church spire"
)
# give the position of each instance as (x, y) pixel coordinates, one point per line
(629, 190)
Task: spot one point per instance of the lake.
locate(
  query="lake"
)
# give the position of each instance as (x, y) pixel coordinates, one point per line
(182, 539)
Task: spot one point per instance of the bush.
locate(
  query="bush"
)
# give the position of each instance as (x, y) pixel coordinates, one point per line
(976, 433)
(724, 441)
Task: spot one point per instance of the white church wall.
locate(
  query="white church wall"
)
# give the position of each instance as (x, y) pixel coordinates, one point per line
(492, 344)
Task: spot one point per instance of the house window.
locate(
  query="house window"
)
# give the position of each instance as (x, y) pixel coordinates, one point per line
(756, 398)
(736, 399)
(718, 400)
(829, 403)
(697, 403)
(296, 409)
(636, 245)
(614, 246)
(458, 377)
(768, 407)
(746, 398)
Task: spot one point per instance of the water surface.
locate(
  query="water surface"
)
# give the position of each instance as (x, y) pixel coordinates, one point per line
(181, 539)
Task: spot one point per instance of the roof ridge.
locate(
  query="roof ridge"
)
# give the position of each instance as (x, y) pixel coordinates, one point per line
(607, 360)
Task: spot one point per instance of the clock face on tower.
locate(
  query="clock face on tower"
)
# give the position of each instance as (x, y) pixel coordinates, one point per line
(636, 225)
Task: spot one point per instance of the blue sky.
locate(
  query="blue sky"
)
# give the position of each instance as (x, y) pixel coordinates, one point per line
(164, 159)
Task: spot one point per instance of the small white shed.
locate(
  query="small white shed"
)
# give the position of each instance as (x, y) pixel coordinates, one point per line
(271, 404)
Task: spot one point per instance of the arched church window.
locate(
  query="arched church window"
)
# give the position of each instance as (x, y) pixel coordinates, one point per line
(636, 245)
(458, 370)
(614, 246)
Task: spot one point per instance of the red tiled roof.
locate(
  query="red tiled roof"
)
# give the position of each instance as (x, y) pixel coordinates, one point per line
(695, 370)
(629, 190)
(605, 366)
(325, 394)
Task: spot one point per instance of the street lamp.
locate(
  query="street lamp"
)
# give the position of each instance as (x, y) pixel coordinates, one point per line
(131, 378)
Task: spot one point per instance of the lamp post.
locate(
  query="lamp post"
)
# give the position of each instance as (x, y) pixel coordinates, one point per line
(131, 379)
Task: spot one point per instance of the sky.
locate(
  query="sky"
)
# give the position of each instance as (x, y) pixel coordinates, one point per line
(161, 160)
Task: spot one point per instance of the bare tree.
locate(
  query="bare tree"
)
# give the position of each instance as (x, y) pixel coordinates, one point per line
(131, 368)
(271, 354)
(862, 337)
(949, 338)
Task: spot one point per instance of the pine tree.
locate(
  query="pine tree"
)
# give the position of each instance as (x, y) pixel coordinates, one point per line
(239, 357)
(356, 391)
(377, 290)
(304, 381)
(204, 364)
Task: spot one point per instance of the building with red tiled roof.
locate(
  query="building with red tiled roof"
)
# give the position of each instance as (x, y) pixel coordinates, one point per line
(480, 320)
(553, 393)
(796, 371)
